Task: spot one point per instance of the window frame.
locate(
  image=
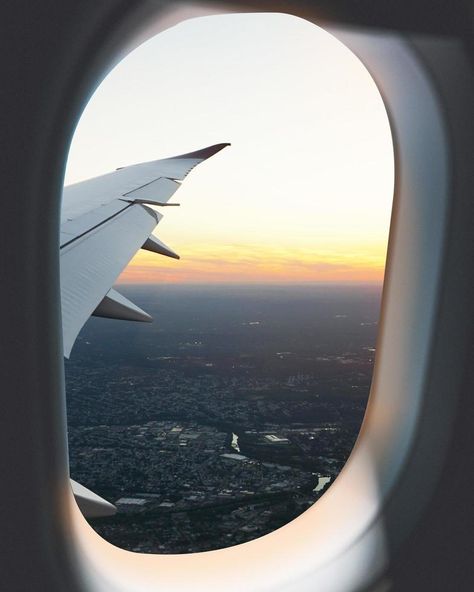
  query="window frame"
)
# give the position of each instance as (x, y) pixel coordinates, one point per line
(367, 513)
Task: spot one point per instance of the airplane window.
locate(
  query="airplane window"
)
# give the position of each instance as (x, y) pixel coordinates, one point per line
(235, 410)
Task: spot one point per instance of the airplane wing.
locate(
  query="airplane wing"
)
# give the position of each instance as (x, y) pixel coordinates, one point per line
(104, 221)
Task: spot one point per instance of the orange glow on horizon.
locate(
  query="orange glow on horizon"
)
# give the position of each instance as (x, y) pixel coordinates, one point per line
(255, 264)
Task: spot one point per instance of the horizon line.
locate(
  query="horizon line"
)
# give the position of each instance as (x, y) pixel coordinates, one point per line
(258, 284)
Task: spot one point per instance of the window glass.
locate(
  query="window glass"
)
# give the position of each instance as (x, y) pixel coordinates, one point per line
(236, 409)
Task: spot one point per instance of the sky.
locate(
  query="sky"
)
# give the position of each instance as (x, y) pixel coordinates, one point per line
(303, 194)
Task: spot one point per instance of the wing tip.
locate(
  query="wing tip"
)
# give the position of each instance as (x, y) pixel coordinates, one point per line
(205, 153)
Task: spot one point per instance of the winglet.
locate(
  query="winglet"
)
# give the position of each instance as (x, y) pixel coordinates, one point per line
(204, 153)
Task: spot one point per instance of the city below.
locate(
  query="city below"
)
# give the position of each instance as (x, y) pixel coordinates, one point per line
(227, 417)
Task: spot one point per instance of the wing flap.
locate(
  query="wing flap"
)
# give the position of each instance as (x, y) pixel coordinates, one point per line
(159, 191)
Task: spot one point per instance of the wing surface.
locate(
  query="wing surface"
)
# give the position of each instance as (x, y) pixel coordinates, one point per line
(104, 222)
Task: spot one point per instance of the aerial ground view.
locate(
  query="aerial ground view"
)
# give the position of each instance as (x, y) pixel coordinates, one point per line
(227, 417)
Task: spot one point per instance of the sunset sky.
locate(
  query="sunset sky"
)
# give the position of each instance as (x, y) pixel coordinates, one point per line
(303, 194)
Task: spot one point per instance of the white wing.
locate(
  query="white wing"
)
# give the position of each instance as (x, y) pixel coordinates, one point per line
(104, 222)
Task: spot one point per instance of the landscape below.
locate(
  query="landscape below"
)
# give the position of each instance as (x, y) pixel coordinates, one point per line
(227, 417)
